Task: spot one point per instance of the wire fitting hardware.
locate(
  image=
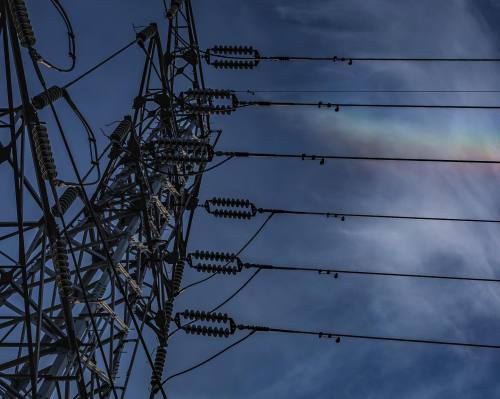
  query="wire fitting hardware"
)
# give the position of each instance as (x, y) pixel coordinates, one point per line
(197, 260)
(211, 331)
(230, 208)
(202, 101)
(232, 57)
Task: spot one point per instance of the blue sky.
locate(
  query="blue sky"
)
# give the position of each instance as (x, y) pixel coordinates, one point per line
(274, 366)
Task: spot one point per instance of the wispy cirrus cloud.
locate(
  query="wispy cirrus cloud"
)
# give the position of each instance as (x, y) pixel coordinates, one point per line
(279, 366)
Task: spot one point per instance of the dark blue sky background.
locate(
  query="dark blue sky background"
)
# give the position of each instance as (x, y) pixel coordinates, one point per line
(274, 366)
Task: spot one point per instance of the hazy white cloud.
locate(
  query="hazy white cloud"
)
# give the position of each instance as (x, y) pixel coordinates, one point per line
(304, 368)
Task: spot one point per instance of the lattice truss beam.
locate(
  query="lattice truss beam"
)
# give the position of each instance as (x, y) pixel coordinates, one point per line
(88, 264)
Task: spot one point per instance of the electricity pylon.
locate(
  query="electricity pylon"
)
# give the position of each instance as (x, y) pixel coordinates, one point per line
(87, 266)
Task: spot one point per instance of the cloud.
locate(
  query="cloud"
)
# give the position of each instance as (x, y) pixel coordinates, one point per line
(282, 366)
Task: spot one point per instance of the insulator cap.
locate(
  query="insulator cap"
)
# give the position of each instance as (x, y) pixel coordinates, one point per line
(221, 257)
(22, 23)
(121, 130)
(210, 331)
(61, 268)
(214, 109)
(190, 56)
(208, 93)
(163, 317)
(174, 9)
(47, 97)
(343, 59)
(201, 101)
(159, 365)
(248, 51)
(66, 200)
(181, 150)
(177, 276)
(205, 316)
(230, 208)
(227, 64)
(168, 309)
(43, 152)
(118, 135)
(146, 33)
(214, 331)
(230, 57)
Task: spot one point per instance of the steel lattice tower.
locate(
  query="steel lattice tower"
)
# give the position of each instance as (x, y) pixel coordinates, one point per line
(85, 269)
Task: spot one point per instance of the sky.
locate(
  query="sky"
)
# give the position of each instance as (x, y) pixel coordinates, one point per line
(296, 367)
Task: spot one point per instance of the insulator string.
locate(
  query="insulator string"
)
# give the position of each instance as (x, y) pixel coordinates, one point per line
(226, 208)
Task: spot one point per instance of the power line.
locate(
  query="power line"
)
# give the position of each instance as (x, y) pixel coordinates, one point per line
(99, 64)
(231, 264)
(210, 358)
(244, 209)
(310, 91)
(322, 158)
(248, 53)
(242, 286)
(247, 243)
(422, 59)
(377, 216)
(224, 101)
(337, 106)
(336, 272)
(246, 57)
(338, 335)
(71, 40)
(212, 323)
